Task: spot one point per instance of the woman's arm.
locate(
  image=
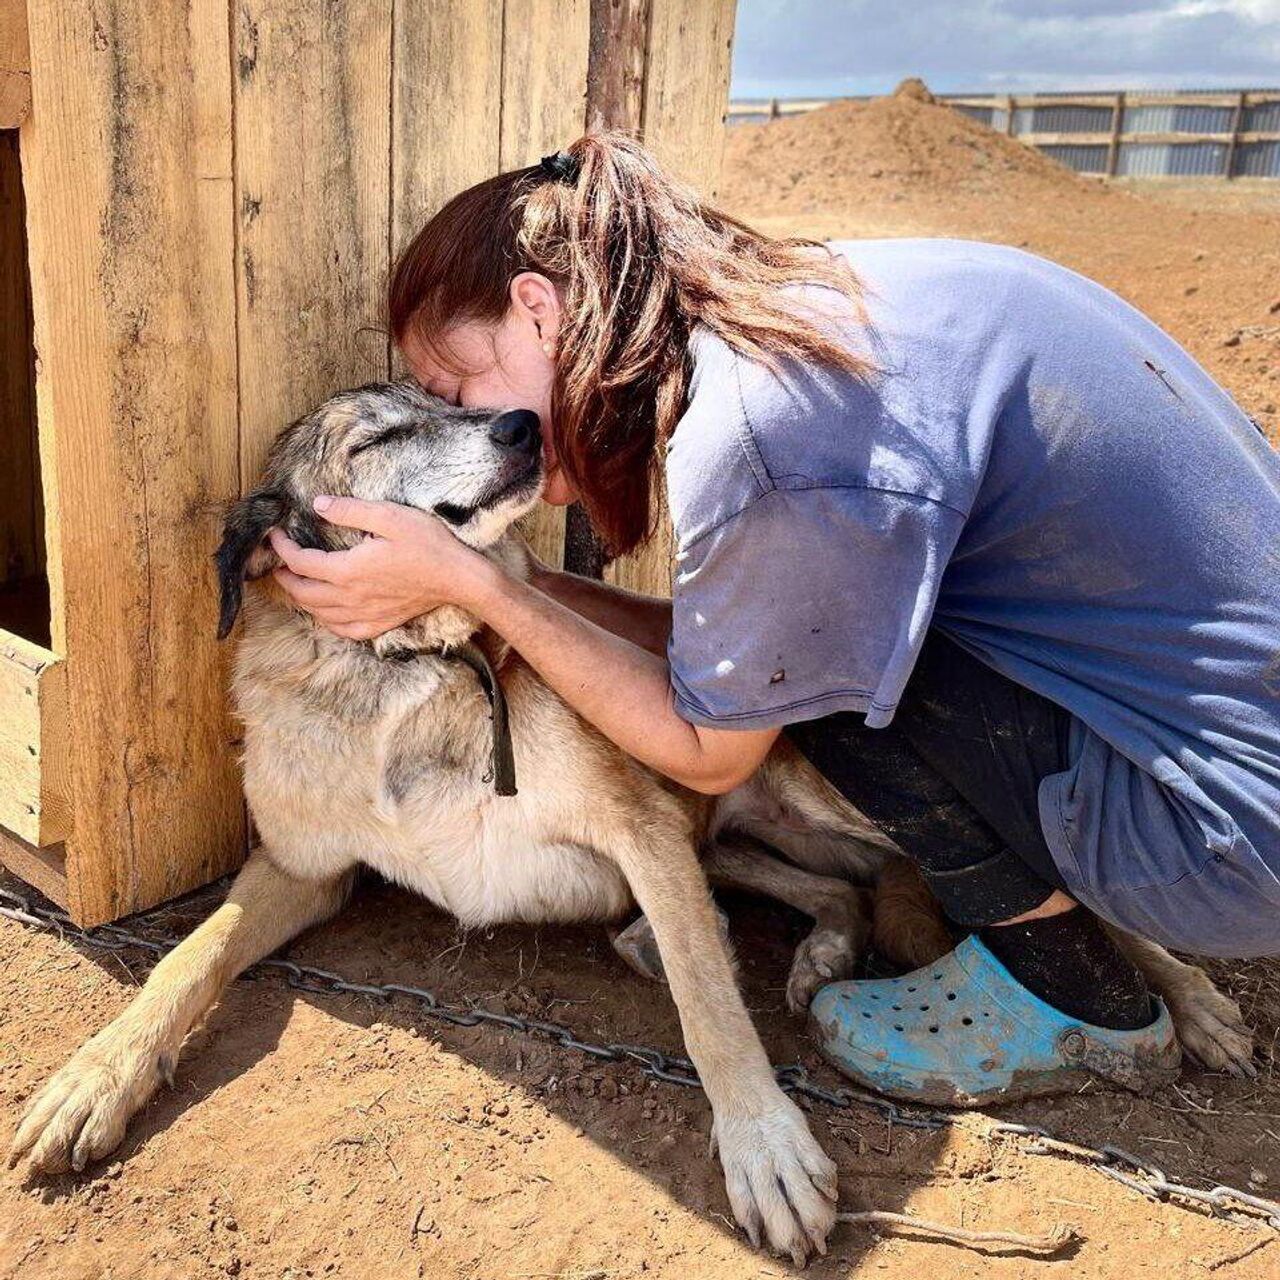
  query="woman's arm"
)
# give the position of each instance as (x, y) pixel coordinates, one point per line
(622, 688)
(414, 564)
(644, 620)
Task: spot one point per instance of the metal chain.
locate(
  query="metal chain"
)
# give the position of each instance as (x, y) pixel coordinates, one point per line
(1113, 1162)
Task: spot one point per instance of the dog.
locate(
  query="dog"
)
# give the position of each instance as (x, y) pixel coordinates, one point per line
(391, 753)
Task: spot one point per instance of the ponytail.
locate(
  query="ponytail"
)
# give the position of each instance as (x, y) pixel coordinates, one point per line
(638, 261)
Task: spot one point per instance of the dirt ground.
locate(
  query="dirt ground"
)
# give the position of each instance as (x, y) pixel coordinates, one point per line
(315, 1136)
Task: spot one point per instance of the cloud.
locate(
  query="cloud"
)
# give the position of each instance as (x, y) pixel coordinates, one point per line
(794, 48)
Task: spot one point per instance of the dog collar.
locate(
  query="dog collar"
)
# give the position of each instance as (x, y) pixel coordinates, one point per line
(502, 760)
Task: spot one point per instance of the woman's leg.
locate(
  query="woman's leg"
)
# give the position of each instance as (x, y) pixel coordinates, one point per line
(954, 781)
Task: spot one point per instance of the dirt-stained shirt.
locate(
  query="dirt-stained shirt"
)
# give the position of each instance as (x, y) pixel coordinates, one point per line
(1049, 478)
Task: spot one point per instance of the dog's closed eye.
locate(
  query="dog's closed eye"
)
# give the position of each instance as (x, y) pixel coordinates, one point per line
(385, 437)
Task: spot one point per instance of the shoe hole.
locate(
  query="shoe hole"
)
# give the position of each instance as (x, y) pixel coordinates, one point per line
(896, 1027)
(897, 1008)
(865, 1014)
(985, 1014)
(911, 989)
(937, 977)
(933, 1031)
(951, 995)
(924, 1008)
(967, 1022)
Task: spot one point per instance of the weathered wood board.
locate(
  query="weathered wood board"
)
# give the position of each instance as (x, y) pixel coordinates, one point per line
(312, 138)
(127, 166)
(34, 761)
(683, 109)
(544, 106)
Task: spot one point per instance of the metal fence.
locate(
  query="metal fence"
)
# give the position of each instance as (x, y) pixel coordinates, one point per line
(1180, 133)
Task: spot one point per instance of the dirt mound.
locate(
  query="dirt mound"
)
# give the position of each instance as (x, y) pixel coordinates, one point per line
(852, 153)
(914, 87)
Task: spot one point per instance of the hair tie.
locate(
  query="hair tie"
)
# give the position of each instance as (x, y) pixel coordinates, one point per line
(561, 166)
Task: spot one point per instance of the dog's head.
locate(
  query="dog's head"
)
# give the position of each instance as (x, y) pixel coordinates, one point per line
(479, 470)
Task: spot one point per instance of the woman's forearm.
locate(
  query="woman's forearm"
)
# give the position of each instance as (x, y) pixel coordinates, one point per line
(621, 688)
(644, 620)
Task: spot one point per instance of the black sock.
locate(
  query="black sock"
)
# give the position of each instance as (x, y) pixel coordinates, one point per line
(1069, 962)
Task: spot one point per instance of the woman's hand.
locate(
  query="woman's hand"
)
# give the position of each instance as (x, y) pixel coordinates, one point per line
(412, 563)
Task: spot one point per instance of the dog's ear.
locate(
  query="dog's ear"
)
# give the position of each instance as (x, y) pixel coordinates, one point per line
(243, 553)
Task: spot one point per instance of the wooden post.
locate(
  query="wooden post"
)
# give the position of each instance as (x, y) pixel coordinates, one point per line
(615, 100)
(1010, 108)
(773, 109)
(686, 98)
(545, 75)
(128, 175)
(1237, 118)
(1117, 127)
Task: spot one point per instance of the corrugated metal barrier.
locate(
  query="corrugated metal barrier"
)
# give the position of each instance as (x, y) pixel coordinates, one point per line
(1182, 133)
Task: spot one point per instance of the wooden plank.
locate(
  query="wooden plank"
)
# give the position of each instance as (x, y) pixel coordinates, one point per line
(544, 104)
(127, 164)
(313, 137)
(1136, 98)
(15, 64)
(1229, 161)
(615, 100)
(35, 801)
(45, 870)
(1068, 139)
(1174, 137)
(686, 90)
(1117, 125)
(21, 541)
(615, 77)
(446, 106)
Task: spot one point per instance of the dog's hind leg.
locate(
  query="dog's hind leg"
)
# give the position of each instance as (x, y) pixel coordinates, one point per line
(1209, 1024)
(81, 1112)
(841, 912)
(910, 929)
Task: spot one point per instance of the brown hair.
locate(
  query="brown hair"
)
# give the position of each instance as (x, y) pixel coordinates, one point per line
(638, 260)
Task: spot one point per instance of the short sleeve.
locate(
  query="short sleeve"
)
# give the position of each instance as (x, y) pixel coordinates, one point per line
(805, 602)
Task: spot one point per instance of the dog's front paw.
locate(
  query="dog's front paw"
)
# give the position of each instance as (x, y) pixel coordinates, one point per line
(781, 1184)
(81, 1112)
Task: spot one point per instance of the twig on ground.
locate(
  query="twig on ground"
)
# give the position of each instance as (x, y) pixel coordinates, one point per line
(1050, 1242)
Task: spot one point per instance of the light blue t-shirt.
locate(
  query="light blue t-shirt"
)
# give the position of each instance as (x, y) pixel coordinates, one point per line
(1046, 476)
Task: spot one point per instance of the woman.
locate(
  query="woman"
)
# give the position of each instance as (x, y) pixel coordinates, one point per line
(989, 546)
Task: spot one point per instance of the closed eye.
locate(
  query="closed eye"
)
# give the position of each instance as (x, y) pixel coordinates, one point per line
(384, 437)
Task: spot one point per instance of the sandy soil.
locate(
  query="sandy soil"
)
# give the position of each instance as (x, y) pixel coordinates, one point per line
(314, 1136)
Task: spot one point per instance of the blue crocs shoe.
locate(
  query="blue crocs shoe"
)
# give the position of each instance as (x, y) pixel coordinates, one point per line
(965, 1032)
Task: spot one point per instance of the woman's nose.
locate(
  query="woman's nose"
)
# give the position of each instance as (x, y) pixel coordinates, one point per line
(517, 430)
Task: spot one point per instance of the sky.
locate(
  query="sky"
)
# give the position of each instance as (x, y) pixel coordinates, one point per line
(825, 48)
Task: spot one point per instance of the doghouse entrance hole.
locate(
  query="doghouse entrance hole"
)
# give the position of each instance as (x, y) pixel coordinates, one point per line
(24, 584)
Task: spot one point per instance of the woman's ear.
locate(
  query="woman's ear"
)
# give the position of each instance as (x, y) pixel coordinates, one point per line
(535, 300)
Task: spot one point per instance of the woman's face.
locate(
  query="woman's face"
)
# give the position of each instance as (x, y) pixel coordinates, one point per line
(510, 365)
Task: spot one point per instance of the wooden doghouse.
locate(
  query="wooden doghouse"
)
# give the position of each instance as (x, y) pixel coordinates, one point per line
(198, 206)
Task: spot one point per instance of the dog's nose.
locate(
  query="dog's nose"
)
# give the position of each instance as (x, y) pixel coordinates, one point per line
(518, 430)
